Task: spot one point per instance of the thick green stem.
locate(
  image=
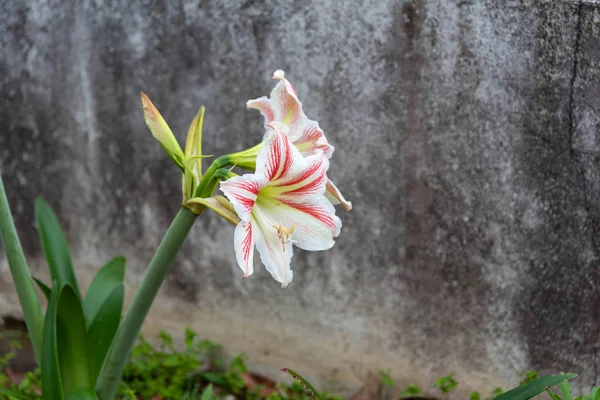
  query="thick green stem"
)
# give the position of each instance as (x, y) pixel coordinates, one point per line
(112, 370)
(32, 311)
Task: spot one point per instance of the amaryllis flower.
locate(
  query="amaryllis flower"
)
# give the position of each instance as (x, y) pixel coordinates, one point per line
(283, 106)
(280, 204)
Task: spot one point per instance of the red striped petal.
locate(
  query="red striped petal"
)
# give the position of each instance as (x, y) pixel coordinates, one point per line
(309, 181)
(275, 159)
(309, 138)
(244, 247)
(242, 192)
(262, 104)
(284, 100)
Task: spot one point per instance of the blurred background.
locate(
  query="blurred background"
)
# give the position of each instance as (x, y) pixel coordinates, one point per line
(466, 136)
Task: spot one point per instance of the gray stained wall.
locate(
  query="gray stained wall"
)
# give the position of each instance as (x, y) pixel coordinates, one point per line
(466, 136)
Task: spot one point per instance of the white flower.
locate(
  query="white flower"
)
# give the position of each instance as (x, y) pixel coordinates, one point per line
(280, 204)
(283, 106)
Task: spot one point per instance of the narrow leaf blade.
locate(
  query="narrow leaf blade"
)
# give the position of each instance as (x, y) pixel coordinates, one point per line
(565, 390)
(207, 394)
(534, 387)
(106, 280)
(72, 343)
(32, 310)
(552, 395)
(309, 388)
(103, 329)
(83, 394)
(45, 289)
(55, 246)
(51, 382)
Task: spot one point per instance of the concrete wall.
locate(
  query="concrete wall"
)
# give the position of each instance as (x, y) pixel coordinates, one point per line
(466, 136)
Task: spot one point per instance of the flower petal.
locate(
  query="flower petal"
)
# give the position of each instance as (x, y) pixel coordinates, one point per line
(302, 185)
(334, 195)
(243, 242)
(242, 191)
(262, 104)
(308, 137)
(284, 100)
(278, 157)
(315, 225)
(274, 254)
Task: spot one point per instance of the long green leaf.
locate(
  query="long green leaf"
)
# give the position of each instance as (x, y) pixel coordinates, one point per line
(553, 395)
(103, 329)
(309, 388)
(14, 394)
(534, 387)
(30, 304)
(107, 278)
(45, 289)
(83, 394)
(565, 390)
(72, 343)
(55, 246)
(51, 382)
(207, 394)
(595, 393)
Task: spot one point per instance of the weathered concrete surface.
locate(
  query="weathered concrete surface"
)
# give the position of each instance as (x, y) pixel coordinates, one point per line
(466, 136)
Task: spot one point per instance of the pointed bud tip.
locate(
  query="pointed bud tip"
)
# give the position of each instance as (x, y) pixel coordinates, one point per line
(149, 109)
(279, 75)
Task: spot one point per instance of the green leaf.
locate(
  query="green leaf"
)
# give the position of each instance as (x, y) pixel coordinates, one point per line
(565, 390)
(45, 289)
(172, 360)
(103, 329)
(72, 343)
(14, 394)
(30, 304)
(51, 382)
(535, 387)
(412, 390)
(307, 386)
(595, 393)
(106, 280)
(207, 394)
(55, 246)
(446, 384)
(553, 395)
(217, 379)
(83, 394)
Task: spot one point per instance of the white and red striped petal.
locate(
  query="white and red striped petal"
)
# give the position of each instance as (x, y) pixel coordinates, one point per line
(303, 184)
(262, 104)
(243, 243)
(284, 101)
(315, 224)
(309, 138)
(275, 254)
(336, 197)
(242, 192)
(278, 157)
